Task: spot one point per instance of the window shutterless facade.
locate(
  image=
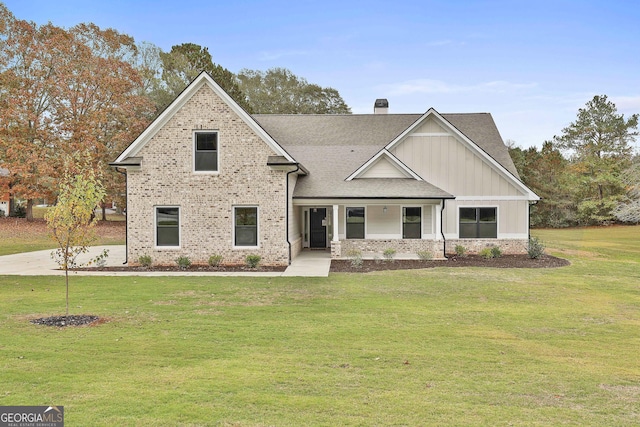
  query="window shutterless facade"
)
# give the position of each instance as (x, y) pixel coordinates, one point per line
(478, 223)
(355, 223)
(205, 152)
(412, 222)
(168, 226)
(245, 225)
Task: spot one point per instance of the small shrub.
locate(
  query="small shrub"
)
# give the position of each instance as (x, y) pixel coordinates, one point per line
(496, 252)
(215, 260)
(183, 262)
(253, 260)
(101, 260)
(486, 253)
(461, 251)
(388, 254)
(425, 255)
(145, 261)
(377, 259)
(535, 249)
(356, 258)
(20, 212)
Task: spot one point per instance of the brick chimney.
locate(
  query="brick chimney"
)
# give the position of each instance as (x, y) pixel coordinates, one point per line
(381, 106)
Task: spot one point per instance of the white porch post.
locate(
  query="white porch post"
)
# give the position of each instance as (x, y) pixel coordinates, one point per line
(335, 223)
(438, 217)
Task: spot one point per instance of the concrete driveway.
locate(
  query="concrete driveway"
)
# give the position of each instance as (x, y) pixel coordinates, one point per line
(40, 263)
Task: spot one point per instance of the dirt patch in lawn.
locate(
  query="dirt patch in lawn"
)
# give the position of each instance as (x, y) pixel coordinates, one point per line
(64, 321)
(505, 261)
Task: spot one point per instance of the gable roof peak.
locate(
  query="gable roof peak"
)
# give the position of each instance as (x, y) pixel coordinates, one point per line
(203, 79)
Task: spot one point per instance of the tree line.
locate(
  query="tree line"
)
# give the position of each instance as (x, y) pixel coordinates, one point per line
(92, 91)
(587, 175)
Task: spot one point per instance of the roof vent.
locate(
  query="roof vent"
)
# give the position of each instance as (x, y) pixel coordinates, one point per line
(381, 106)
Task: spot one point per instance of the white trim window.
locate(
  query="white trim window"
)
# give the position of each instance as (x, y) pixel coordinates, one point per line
(167, 226)
(478, 223)
(205, 151)
(245, 226)
(355, 223)
(412, 222)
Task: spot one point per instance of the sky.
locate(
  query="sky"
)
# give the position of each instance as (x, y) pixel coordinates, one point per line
(531, 64)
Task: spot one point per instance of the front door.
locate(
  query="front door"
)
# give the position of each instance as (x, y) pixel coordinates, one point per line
(318, 229)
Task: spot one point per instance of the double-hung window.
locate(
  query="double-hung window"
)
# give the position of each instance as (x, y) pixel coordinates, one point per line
(355, 223)
(478, 223)
(205, 152)
(167, 226)
(412, 222)
(245, 224)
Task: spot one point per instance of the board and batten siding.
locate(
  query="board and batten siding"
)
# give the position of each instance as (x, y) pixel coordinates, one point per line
(444, 161)
(383, 168)
(440, 158)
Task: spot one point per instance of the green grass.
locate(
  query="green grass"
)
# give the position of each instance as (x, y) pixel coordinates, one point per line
(463, 346)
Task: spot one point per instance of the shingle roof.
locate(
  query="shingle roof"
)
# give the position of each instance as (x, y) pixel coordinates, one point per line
(332, 147)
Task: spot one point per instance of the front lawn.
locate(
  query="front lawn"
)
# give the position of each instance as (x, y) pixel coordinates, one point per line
(463, 346)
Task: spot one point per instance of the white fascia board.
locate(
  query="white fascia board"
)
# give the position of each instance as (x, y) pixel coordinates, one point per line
(530, 195)
(202, 79)
(490, 198)
(396, 162)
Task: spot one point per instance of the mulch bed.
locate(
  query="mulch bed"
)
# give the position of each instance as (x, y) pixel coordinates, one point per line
(193, 267)
(505, 261)
(345, 265)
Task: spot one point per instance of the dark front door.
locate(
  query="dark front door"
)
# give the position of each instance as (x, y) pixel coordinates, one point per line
(318, 229)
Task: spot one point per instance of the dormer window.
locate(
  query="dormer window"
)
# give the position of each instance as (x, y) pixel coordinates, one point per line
(206, 152)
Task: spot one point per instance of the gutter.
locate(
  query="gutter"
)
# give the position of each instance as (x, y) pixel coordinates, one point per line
(126, 217)
(287, 208)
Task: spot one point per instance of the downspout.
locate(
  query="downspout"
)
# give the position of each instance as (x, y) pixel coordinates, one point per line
(287, 209)
(126, 218)
(444, 246)
(529, 219)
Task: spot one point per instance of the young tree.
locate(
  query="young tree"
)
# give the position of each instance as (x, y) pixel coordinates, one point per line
(71, 221)
(599, 145)
(279, 91)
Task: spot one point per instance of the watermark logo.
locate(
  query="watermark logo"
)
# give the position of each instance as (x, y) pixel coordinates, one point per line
(31, 416)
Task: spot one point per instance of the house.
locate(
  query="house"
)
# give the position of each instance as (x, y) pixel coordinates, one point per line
(208, 178)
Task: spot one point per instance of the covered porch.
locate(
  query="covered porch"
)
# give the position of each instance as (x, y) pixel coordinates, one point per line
(369, 227)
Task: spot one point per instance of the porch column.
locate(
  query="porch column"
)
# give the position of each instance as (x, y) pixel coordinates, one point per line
(335, 223)
(438, 217)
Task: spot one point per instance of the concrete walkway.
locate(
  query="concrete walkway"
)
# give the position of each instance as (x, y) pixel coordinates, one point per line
(40, 263)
